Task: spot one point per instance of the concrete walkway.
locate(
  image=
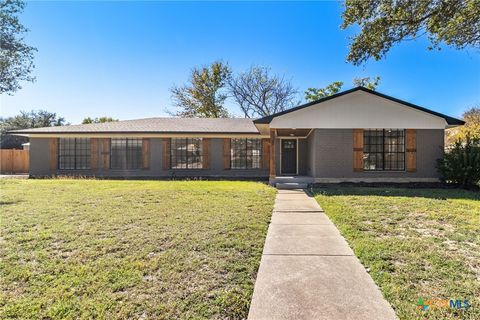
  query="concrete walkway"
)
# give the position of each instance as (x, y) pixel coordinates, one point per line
(308, 271)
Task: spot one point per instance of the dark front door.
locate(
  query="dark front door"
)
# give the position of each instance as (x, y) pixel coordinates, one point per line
(289, 156)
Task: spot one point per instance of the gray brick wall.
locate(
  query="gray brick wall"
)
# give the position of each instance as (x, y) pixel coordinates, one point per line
(325, 154)
(333, 155)
(40, 164)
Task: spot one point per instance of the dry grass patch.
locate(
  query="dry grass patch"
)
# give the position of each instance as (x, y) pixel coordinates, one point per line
(82, 249)
(420, 243)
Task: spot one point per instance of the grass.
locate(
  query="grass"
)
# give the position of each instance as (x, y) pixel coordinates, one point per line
(422, 243)
(82, 249)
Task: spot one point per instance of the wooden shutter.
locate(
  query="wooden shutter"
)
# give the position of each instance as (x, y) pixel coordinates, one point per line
(206, 153)
(357, 149)
(411, 150)
(265, 153)
(105, 153)
(93, 153)
(166, 153)
(53, 154)
(226, 153)
(146, 153)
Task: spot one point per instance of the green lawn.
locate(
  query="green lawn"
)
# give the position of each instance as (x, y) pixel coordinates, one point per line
(422, 243)
(82, 249)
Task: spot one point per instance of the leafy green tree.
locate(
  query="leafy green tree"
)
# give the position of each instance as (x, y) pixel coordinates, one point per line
(260, 93)
(367, 82)
(461, 164)
(16, 57)
(313, 94)
(205, 93)
(385, 23)
(26, 120)
(89, 120)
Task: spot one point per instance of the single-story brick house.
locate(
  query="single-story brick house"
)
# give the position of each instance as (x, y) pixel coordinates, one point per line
(354, 136)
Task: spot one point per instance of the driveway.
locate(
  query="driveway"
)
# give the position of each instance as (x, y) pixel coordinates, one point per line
(308, 271)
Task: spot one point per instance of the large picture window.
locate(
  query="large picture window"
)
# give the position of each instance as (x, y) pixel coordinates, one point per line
(74, 153)
(246, 153)
(384, 150)
(186, 153)
(126, 153)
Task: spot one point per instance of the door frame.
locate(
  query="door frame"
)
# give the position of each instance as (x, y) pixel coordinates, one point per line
(281, 155)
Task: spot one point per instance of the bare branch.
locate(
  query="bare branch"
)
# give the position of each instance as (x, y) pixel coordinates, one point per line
(259, 94)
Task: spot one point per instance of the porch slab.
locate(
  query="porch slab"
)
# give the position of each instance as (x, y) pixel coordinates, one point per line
(316, 287)
(305, 240)
(291, 191)
(293, 179)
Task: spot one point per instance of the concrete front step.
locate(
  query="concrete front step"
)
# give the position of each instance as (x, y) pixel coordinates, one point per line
(291, 185)
(299, 179)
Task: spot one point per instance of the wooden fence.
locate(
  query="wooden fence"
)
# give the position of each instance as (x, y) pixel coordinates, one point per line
(14, 161)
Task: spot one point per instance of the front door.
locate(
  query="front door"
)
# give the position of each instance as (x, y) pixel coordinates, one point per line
(289, 156)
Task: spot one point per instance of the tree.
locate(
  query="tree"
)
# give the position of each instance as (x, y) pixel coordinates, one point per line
(367, 82)
(26, 120)
(16, 57)
(204, 95)
(89, 120)
(260, 94)
(385, 23)
(313, 94)
(471, 127)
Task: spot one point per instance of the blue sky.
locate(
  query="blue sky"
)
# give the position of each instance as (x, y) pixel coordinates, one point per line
(120, 59)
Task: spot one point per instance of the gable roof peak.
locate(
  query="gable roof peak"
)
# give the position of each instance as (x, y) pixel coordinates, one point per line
(450, 120)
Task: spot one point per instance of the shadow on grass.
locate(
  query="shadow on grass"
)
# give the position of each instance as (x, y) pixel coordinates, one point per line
(437, 193)
(7, 203)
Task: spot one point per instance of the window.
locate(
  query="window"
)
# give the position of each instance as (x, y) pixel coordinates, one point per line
(384, 150)
(186, 153)
(74, 153)
(246, 153)
(126, 153)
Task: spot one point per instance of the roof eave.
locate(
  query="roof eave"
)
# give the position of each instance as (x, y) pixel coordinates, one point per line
(33, 133)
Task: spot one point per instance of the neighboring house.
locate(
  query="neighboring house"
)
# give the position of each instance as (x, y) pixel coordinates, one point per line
(353, 136)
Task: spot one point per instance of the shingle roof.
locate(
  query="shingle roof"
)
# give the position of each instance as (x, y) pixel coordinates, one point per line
(448, 119)
(156, 125)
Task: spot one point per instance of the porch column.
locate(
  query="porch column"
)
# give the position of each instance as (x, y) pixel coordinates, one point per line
(272, 153)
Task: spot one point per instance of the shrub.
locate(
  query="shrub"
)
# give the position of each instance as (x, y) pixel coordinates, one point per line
(461, 163)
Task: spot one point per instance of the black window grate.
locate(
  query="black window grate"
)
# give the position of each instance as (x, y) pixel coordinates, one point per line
(186, 153)
(246, 153)
(384, 150)
(74, 153)
(126, 153)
